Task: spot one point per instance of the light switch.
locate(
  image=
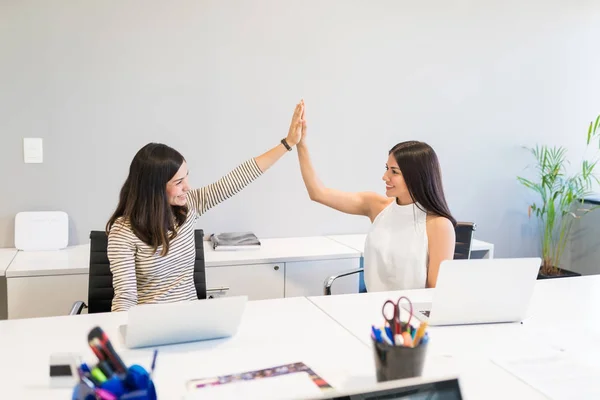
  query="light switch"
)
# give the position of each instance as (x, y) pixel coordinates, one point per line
(32, 150)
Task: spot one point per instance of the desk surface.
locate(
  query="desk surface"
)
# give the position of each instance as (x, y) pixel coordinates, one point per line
(271, 333)
(357, 242)
(329, 333)
(6, 257)
(72, 260)
(75, 259)
(281, 250)
(556, 303)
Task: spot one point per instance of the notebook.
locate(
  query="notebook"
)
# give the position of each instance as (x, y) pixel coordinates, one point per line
(235, 241)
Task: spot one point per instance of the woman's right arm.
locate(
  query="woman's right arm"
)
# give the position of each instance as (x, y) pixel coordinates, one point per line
(368, 204)
(121, 255)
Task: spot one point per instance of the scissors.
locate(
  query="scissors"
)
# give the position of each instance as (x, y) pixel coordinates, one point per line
(394, 321)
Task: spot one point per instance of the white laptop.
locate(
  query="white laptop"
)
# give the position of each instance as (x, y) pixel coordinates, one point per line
(188, 321)
(478, 291)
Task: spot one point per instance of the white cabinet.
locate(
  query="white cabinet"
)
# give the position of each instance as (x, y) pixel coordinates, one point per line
(306, 278)
(45, 296)
(258, 281)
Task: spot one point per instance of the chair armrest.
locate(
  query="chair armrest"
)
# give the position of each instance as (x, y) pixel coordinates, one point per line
(77, 307)
(210, 293)
(329, 280)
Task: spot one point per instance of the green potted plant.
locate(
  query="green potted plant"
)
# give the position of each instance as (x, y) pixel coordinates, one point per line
(561, 197)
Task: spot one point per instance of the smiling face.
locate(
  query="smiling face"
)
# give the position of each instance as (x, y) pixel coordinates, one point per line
(178, 186)
(394, 181)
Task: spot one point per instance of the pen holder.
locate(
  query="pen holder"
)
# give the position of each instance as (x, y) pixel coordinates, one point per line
(136, 385)
(398, 362)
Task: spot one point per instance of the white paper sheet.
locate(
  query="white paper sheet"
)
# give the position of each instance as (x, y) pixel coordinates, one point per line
(558, 376)
(297, 385)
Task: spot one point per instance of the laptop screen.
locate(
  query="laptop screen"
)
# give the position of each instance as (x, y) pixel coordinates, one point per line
(441, 390)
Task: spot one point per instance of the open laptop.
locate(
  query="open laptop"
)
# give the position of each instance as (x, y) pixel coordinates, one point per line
(280, 388)
(406, 389)
(188, 321)
(477, 291)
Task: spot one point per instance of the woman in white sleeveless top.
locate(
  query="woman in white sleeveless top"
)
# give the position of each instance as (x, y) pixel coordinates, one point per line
(412, 229)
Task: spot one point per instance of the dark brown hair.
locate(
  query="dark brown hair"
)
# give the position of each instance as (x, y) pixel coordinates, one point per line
(422, 174)
(143, 199)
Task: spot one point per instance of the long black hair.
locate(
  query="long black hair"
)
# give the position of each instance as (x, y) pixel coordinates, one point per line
(422, 174)
(143, 199)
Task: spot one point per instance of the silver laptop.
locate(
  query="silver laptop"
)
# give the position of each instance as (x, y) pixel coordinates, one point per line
(478, 291)
(188, 321)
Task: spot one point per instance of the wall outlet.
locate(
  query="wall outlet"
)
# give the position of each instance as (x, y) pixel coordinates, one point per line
(33, 150)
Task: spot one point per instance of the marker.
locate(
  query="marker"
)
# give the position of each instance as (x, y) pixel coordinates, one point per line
(105, 394)
(98, 375)
(105, 368)
(98, 337)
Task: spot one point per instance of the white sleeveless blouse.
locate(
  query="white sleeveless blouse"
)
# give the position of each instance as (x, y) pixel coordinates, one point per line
(396, 249)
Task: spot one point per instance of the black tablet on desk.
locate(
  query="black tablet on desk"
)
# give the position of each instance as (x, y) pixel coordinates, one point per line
(405, 389)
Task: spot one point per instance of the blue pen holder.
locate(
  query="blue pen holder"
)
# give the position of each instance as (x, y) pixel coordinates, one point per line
(136, 385)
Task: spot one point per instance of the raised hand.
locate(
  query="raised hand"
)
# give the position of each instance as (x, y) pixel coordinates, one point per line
(295, 133)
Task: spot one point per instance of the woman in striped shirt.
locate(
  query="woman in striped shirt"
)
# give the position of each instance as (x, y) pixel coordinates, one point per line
(151, 245)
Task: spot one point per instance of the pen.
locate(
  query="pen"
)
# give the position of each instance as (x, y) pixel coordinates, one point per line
(85, 379)
(153, 363)
(387, 340)
(85, 368)
(420, 333)
(376, 334)
(389, 333)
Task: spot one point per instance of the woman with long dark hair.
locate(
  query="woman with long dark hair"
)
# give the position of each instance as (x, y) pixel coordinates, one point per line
(151, 245)
(412, 229)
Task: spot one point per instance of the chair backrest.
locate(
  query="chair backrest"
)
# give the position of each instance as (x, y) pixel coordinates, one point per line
(464, 237)
(100, 288)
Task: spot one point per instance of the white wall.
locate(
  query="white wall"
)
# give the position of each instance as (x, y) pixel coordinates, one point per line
(218, 80)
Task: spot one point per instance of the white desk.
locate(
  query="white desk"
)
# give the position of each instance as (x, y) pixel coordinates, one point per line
(46, 283)
(357, 241)
(6, 257)
(282, 267)
(469, 349)
(271, 333)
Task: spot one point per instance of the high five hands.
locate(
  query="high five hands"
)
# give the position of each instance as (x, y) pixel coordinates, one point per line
(297, 126)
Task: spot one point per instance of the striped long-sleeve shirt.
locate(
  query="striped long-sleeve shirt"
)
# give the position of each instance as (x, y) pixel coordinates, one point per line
(143, 276)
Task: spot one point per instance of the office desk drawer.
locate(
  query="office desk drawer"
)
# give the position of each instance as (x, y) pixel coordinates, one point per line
(258, 282)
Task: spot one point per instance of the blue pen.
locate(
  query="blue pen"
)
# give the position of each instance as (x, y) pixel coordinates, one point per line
(377, 334)
(153, 363)
(388, 331)
(425, 338)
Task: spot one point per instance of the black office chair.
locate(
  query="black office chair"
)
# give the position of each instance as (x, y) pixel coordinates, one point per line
(100, 288)
(462, 250)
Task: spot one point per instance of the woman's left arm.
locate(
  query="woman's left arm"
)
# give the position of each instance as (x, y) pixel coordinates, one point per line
(442, 241)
